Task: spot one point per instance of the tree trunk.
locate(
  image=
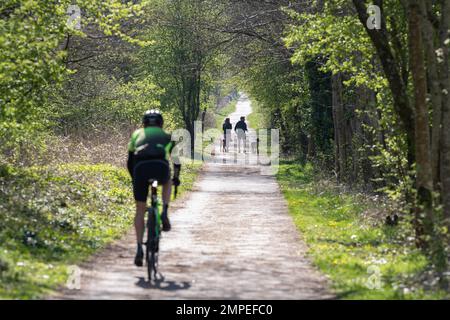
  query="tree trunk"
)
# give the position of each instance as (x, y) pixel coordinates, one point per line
(369, 119)
(445, 137)
(434, 89)
(339, 128)
(311, 147)
(424, 182)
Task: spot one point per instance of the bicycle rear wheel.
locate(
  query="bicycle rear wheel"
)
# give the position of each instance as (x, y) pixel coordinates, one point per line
(152, 244)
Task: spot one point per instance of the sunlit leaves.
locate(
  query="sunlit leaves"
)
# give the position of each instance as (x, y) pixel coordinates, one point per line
(33, 36)
(340, 39)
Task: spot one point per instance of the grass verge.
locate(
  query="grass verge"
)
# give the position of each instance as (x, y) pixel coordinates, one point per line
(363, 258)
(54, 217)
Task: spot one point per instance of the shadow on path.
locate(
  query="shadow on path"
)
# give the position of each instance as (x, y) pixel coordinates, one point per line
(162, 284)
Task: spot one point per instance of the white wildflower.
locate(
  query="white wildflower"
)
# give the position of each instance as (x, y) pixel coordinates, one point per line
(440, 55)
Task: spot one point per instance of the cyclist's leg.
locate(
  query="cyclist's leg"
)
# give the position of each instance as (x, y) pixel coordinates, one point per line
(140, 190)
(139, 226)
(167, 192)
(139, 221)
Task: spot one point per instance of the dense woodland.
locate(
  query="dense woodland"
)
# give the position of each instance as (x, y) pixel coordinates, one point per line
(368, 106)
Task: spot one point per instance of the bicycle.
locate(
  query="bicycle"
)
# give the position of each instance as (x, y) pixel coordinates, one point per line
(154, 222)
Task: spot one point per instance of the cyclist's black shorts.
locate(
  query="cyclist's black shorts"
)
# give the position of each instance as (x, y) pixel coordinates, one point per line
(144, 171)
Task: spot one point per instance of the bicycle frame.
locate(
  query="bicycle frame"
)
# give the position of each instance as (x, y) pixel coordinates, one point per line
(153, 231)
(155, 204)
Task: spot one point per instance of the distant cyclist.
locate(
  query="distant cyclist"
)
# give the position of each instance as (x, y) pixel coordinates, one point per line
(241, 129)
(148, 159)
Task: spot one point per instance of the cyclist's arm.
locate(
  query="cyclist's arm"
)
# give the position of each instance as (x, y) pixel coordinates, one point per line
(130, 163)
(131, 150)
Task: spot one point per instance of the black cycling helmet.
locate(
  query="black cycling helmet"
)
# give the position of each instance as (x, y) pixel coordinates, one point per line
(153, 118)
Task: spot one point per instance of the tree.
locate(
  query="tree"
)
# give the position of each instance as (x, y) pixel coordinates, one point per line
(424, 178)
(395, 70)
(443, 37)
(185, 53)
(33, 58)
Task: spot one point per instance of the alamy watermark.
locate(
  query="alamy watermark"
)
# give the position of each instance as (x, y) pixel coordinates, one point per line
(74, 17)
(374, 20)
(374, 281)
(74, 280)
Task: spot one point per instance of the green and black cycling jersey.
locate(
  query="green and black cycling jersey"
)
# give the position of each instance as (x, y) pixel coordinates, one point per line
(150, 143)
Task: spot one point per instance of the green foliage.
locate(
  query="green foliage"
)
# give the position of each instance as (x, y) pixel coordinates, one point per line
(335, 34)
(51, 217)
(281, 93)
(118, 105)
(33, 60)
(346, 235)
(31, 56)
(185, 59)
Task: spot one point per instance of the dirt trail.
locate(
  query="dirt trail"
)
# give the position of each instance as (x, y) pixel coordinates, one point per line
(232, 238)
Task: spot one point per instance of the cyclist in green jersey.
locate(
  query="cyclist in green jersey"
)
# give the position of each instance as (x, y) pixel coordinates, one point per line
(148, 159)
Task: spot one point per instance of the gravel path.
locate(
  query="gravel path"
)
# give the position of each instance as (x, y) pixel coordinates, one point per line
(232, 238)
